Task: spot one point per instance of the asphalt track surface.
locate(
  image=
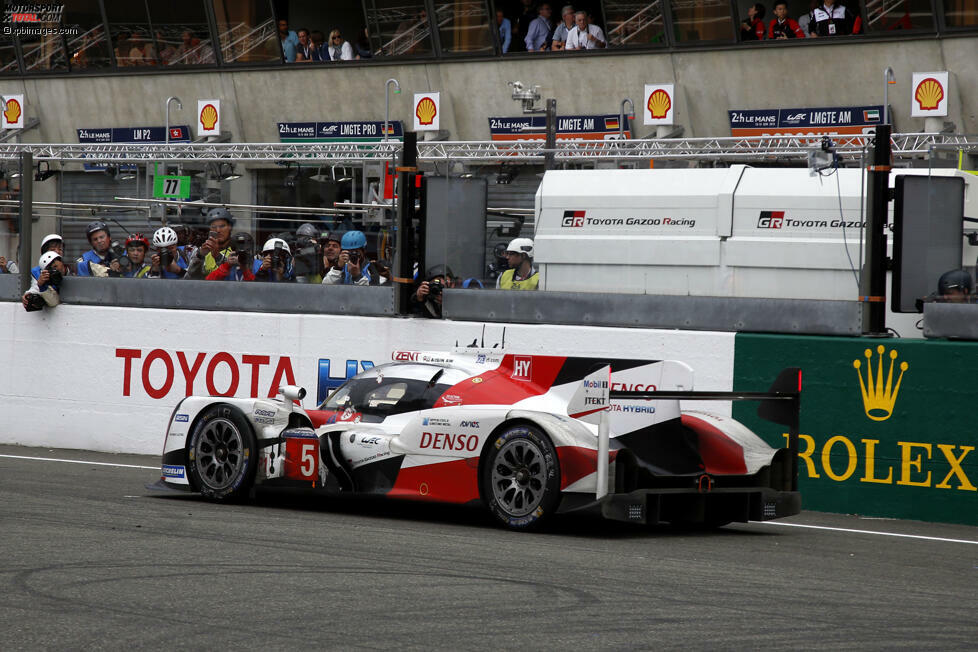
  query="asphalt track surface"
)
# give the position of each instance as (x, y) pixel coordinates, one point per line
(94, 560)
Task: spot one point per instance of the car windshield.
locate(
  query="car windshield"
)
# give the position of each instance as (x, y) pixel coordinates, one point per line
(379, 396)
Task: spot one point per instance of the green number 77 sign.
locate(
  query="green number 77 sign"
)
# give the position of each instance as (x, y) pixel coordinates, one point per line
(171, 187)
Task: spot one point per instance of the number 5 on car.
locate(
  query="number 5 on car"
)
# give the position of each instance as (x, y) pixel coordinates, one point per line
(302, 458)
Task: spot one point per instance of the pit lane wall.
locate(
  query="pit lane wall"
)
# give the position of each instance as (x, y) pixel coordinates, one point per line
(887, 426)
(107, 378)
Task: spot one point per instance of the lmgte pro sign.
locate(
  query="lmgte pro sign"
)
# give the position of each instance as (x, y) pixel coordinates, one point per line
(427, 111)
(659, 105)
(929, 94)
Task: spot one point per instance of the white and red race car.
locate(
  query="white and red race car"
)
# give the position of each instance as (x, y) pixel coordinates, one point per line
(526, 435)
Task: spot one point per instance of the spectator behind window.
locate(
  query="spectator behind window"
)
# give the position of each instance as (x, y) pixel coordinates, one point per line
(136, 247)
(584, 35)
(289, 40)
(559, 41)
(331, 252)
(362, 46)
(538, 31)
(238, 264)
(352, 268)
(427, 298)
(166, 261)
(45, 282)
(339, 48)
(318, 52)
(522, 26)
(307, 255)
(781, 26)
(832, 19)
(303, 51)
(99, 255)
(505, 30)
(275, 264)
(217, 245)
(752, 29)
(955, 286)
(521, 274)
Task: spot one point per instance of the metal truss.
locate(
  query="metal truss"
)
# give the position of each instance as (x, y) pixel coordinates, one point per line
(743, 149)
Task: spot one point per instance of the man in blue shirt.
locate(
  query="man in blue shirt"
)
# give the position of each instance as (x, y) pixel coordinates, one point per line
(539, 31)
(505, 31)
(290, 40)
(97, 233)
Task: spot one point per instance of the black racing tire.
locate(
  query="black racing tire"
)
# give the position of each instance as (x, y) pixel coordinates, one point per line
(221, 454)
(520, 477)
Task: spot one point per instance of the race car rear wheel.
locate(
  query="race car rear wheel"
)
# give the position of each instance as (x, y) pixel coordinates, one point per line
(221, 453)
(521, 477)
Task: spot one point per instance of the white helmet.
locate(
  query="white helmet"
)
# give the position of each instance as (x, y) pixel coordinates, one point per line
(270, 245)
(51, 237)
(521, 246)
(164, 237)
(47, 258)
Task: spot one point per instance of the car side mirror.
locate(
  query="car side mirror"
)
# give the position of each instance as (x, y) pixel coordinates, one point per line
(292, 393)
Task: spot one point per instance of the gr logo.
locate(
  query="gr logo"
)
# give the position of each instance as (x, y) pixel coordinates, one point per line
(328, 382)
(770, 220)
(573, 218)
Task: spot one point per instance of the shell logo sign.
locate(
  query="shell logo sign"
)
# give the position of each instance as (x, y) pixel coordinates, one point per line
(427, 111)
(930, 92)
(13, 111)
(659, 105)
(208, 117)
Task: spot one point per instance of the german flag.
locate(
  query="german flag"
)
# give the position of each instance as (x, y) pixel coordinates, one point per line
(611, 123)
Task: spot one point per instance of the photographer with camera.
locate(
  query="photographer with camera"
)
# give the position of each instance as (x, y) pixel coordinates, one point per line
(307, 263)
(101, 254)
(275, 264)
(46, 282)
(167, 261)
(136, 247)
(217, 247)
(427, 299)
(238, 263)
(521, 275)
(352, 267)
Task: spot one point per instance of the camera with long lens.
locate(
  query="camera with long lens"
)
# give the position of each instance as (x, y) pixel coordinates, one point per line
(118, 252)
(243, 247)
(307, 254)
(278, 255)
(435, 287)
(55, 276)
(165, 258)
(500, 263)
(34, 302)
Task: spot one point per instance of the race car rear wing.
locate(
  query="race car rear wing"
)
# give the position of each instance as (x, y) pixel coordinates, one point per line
(781, 404)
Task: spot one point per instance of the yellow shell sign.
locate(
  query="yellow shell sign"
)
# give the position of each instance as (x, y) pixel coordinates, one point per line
(208, 116)
(426, 111)
(659, 103)
(11, 111)
(929, 94)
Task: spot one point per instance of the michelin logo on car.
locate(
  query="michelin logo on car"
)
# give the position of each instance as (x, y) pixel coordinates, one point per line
(171, 471)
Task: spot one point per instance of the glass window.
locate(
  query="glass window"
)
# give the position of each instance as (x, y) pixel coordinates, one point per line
(701, 21)
(247, 32)
(883, 17)
(89, 48)
(132, 39)
(961, 13)
(181, 31)
(8, 58)
(43, 53)
(634, 23)
(400, 25)
(463, 26)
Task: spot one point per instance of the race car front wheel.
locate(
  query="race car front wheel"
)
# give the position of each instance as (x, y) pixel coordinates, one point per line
(521, 477)
(221, 453)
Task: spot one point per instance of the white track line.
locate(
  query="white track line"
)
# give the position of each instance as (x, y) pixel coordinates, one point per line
(882, 534)
(51, 459)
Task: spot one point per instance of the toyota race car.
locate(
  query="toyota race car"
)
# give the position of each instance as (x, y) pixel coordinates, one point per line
(526, 435)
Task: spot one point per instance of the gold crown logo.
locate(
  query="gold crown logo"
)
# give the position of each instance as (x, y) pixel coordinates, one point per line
(878, 399)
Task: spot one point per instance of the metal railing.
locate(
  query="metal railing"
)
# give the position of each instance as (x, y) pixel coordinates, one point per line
(735, 149)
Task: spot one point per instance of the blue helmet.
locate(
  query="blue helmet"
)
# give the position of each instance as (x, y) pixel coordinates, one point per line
(353, 240)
